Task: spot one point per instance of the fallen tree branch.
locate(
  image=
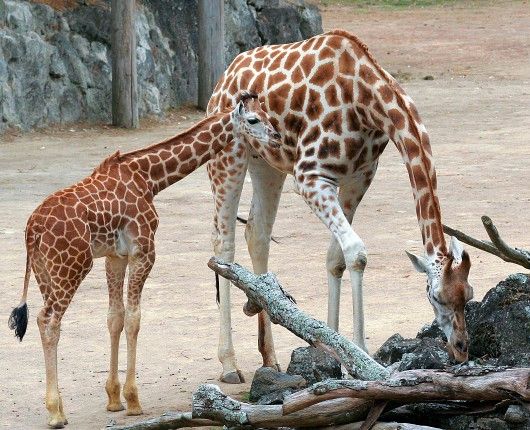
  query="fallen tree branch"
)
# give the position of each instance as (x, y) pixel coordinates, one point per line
(423, 413)
(497, 246)
(167, 421)
(421, 385)
(383, 426)
(265, 292)
(211, 403)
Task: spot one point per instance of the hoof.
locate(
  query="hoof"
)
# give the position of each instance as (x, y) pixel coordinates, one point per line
(115, 407)
(57, 423)
(137, 410)
(235, 377)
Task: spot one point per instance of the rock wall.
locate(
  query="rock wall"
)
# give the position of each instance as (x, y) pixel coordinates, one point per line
(55, 65)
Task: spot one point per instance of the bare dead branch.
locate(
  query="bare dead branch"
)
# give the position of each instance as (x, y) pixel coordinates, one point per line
(265, 292)
(517, 256)
(211, 403)
(382, 426)
(167, 421)
(497, 246)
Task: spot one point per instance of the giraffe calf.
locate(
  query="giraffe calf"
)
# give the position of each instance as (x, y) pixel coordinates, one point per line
(111, 214)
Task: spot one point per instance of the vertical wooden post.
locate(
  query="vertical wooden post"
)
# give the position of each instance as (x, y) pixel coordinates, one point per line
(124, 80)
(211, 47)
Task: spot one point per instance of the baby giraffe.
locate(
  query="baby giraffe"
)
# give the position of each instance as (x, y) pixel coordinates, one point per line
(111, 214)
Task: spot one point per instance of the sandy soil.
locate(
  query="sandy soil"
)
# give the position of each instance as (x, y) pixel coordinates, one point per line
(476, 109)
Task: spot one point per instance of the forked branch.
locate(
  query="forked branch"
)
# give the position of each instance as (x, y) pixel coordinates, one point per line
(497, 246)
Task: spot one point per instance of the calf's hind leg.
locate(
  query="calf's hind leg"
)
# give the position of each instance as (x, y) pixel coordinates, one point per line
(115, 268)
(140, 264)
(57, 293)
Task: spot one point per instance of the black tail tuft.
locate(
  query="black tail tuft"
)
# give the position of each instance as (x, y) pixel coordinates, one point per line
(18, 320)
(217, 299)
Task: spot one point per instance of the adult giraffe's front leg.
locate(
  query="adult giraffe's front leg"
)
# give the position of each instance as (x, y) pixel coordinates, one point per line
(227, 175)
(350, 195)
(267, 184)
(322, 197)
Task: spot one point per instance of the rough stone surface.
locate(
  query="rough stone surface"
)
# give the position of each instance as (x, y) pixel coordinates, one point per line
(313, 365)
(271, 387)
(499, 331)
(55, 66)
(516, 414)
(394, 348)
(429, 354)
(500, 327)
(419, 353)
(491, 424)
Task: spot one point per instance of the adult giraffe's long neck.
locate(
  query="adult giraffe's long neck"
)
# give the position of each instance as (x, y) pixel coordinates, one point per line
(169, 161)
(403, 125)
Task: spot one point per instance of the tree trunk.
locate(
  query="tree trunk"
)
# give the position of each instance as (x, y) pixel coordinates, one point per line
(124, 80)
(211, 48)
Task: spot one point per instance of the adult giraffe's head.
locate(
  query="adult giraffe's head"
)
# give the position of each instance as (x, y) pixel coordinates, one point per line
(448, 291)
(252, 122)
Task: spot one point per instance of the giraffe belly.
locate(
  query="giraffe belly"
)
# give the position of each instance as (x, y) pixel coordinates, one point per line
(112, 244)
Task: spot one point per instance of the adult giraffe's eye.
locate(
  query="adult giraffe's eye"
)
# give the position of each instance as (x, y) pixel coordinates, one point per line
(253, 121)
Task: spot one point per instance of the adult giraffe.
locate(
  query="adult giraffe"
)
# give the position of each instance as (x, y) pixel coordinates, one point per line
(337, 109)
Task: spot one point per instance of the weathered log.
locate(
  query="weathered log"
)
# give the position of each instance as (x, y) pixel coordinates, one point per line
(497, 246)
(429, 413)
(209, 402)
(167, 421)
(382, 426)
(265, 292)
(419, 385)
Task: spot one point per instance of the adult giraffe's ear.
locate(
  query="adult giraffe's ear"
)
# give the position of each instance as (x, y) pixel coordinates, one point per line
(419, 263)
(456, 249)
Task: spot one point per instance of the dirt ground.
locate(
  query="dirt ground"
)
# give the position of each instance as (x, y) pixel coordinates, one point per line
(476, 109)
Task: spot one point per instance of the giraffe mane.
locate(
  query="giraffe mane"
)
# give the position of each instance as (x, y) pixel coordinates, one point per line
(393, 84)
(110, 160)
(118, 157)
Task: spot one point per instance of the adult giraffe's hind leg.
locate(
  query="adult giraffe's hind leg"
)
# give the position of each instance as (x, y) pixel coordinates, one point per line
(226, 188)
(267, 186)
(115, 269)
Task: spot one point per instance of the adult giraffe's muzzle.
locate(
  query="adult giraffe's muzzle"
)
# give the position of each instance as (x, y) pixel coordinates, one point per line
(458, 342)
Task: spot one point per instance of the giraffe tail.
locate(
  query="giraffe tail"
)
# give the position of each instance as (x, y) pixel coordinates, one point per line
(18, 320)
